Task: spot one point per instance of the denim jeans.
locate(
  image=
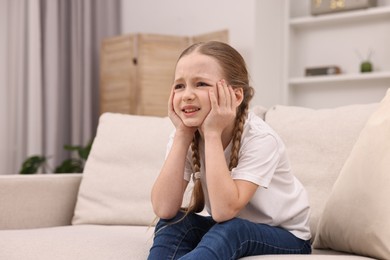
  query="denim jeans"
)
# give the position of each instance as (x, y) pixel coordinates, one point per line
(199, 237)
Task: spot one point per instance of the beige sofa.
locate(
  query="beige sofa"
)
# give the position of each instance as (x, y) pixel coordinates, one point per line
(105, 213)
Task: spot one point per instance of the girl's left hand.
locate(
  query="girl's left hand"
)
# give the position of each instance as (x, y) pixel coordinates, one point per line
(223, 109)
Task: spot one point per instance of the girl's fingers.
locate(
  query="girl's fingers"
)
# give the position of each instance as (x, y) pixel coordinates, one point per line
(213, 99)
(223, 96)
(221, 93)
(229, 95)
(232, 98)
(171, 111)
(170, 102)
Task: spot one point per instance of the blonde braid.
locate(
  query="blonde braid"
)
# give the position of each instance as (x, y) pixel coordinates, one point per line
(195, 152)
(197, 198)
(237, 133)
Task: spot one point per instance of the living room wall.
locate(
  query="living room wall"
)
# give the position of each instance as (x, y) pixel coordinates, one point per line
(184, 18)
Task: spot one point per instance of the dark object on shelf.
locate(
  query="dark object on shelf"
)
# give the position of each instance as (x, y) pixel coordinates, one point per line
(321, 71)
(366, 66)
(332, 6)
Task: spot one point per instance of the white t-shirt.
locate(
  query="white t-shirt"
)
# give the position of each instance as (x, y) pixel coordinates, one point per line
(280, 200)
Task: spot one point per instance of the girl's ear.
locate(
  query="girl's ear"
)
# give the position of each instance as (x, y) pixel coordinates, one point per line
(239, 94)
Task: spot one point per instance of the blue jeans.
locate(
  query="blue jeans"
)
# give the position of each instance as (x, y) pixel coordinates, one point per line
(199, 237)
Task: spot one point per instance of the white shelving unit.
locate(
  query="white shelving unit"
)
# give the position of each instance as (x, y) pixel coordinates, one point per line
(335, 39)
(359, 15)
(341, 78)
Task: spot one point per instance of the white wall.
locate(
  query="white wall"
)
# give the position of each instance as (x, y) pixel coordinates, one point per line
(181, 17)
(269, 51)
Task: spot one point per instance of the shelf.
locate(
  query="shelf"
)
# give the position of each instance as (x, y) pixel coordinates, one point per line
(339, 78)
(374, 12)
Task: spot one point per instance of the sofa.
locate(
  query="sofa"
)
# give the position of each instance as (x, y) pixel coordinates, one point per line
(341, 155)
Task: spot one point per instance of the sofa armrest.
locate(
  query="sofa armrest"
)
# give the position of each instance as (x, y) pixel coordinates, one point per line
(34, 201)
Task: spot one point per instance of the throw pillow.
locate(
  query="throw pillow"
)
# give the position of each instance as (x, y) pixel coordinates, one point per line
(356, 215)
(318, 141)
(124, 161)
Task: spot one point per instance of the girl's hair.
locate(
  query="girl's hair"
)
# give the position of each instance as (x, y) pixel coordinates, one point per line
(234, 71)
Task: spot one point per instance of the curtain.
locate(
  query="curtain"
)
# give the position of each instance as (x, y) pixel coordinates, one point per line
(52, 85)
(3, 79)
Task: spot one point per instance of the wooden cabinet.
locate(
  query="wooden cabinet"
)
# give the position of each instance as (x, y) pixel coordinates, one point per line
(335, 39)
(137, 70)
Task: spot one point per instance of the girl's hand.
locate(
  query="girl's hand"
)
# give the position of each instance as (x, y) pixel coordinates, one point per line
(223, 109)
(176, 120)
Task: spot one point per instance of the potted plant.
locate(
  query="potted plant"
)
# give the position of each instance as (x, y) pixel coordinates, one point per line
(71, 165)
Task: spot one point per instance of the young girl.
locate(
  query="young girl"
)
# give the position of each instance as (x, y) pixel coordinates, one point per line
(238, 163)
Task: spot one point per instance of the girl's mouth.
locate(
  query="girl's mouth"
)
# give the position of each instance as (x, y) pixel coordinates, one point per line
(190, 110)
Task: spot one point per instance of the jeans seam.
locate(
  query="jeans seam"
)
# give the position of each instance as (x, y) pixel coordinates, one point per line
(263, 243)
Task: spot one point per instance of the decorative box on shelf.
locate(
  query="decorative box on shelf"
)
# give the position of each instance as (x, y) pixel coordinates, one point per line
(322, 71)
(331, 6)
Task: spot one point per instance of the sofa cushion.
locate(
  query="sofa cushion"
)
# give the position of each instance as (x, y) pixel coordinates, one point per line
(97, 242)
(356, 216)
(124, 161)
(260, 111)
(318, 142)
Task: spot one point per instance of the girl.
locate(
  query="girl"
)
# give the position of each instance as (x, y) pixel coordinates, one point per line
(238, 163)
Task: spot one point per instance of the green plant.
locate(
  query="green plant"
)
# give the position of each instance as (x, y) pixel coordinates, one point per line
(72, 165)
(32, 164)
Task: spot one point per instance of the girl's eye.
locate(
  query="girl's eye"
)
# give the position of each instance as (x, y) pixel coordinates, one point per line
(203, 84)
(179, 86)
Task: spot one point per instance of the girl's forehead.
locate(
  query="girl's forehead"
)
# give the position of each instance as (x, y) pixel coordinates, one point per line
(196, 63)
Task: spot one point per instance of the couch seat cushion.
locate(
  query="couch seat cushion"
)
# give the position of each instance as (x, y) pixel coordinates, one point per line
(95, 242)
(317, 255)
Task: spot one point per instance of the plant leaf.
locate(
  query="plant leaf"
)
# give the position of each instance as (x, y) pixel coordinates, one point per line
(83, 152)
(70, 166)
(32, 164)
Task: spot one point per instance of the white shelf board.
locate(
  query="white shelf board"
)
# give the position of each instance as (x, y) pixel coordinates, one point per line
(340, 78)
(374, 12)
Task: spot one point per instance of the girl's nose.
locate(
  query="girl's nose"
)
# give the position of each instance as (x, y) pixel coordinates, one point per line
(188, 94)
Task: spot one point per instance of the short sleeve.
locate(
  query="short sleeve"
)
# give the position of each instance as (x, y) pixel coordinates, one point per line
(258, 159)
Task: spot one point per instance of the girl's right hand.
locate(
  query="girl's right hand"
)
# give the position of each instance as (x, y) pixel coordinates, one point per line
(176, 120)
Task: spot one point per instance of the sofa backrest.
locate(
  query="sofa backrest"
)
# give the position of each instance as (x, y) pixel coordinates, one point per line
(126, 156)
(128, 152)
(318, 143)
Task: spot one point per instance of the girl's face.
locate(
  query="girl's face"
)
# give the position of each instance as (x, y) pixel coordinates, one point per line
(195, 75)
